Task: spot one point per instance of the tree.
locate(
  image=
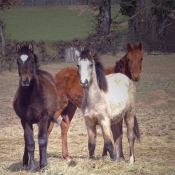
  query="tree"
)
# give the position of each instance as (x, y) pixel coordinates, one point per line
(103, 18)
(3, 5)
(7, 4)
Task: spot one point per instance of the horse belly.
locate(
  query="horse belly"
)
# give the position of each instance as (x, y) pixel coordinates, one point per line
(95, 113)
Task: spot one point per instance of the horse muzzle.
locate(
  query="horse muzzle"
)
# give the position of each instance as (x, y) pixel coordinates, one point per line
(84, 84)
(136, 79)
(25, 82)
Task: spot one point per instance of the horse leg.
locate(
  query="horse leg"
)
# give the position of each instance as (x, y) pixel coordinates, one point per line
(51, 124)
(129, 121)
(67, 115)
(29, 145)
(117, 136)
(91, 129)
(42, 141)
(108, 139)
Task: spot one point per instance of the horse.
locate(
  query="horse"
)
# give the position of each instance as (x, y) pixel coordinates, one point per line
(36, 101)
(106, 101)
(71, 93)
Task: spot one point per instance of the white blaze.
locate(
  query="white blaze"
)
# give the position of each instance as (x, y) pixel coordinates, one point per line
(24, 58)
(84, 70)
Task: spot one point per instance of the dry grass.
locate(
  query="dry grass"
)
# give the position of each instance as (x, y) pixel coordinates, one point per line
(155, 111)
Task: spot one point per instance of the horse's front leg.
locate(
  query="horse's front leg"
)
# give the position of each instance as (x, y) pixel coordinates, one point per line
(91, 129)
(108, 139)
(67, 115)
(29, 145)
(42, 140)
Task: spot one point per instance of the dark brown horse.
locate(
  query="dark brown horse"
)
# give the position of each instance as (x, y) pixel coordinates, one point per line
(35, 101)
(71, 93)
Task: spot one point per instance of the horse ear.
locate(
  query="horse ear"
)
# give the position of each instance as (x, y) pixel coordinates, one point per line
(140, 46)
(18, 47)
(30, 47)
(129, 47)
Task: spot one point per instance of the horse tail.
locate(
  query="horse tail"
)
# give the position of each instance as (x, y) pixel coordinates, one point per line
(136, 129)
(54, 120)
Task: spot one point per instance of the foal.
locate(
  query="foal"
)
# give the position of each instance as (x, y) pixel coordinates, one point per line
(35, 101)
(106, 101)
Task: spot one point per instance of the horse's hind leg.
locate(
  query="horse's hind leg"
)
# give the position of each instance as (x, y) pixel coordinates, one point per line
(117, 136)
(29, 145)
(129, 121)
(67, 115)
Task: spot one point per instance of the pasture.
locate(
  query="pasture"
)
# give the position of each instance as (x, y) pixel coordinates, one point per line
(51, 23)
(155, 101)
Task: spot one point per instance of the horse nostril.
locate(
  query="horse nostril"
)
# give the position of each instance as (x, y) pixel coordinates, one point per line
(84, 84)
(25, 81)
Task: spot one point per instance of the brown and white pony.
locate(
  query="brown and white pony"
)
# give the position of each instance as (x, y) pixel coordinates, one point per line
(106, 101)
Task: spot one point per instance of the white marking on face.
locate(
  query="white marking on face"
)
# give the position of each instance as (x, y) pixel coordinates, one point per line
(84, 70)
(24, 58)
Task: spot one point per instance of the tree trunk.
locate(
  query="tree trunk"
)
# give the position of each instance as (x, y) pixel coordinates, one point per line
(2, 37)
(105, 16)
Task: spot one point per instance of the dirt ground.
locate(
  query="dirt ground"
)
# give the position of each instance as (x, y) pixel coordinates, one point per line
(155, 109)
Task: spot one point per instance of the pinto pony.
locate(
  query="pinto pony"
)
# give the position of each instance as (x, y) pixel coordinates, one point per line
(106, 101)
(71, 93)
(36, 101)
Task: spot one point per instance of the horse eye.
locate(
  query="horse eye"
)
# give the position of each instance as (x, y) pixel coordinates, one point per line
(78, 66)
(128, 60)
(90, 65)
(32, 62)
(141, 59)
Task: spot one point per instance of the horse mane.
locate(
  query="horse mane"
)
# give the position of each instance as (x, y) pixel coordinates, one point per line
(120, 65)
(101, 79)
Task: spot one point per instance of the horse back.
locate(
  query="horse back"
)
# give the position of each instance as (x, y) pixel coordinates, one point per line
(121, 92)
(109, 70)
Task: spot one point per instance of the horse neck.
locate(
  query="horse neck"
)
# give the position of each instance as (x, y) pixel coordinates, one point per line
(93, 91)
(26, 92)
(122, 66)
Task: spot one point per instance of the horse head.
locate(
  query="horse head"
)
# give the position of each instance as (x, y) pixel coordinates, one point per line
(26, 62)
(89, 69)
(134, 61)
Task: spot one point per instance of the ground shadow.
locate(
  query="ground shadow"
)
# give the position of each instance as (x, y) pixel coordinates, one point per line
(16, 167)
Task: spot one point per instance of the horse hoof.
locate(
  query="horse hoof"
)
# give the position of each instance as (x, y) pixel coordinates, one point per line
(43, 169)
(32, 170)
(68, 158)
(72, 163)
(131, 160)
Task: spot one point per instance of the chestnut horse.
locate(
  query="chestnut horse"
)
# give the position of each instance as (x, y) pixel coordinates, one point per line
(36, 101)
(71, 93)
(106, 101)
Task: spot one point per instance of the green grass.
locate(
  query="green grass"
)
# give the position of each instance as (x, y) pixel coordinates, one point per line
(52, 23)
(47, 23)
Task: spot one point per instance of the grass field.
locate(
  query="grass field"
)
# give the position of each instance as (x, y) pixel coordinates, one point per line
(47, 23)
(51, 23)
